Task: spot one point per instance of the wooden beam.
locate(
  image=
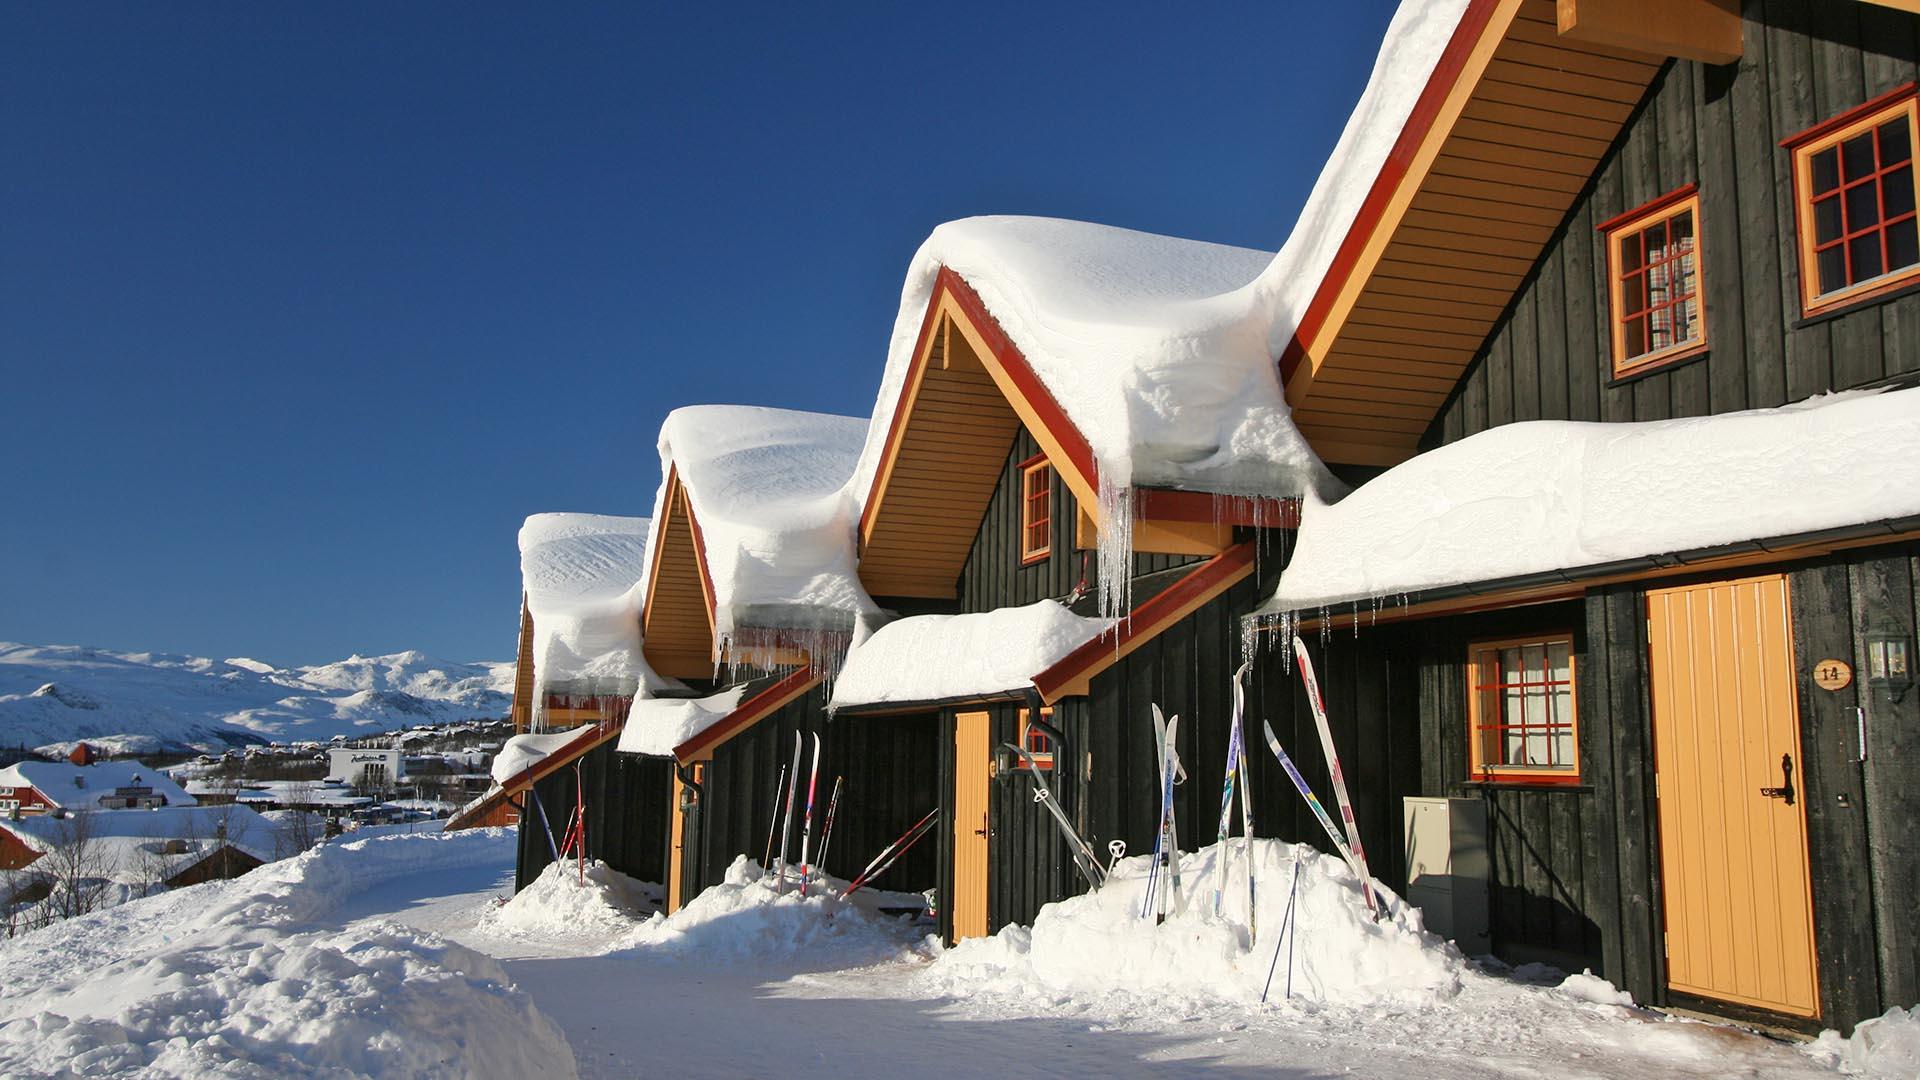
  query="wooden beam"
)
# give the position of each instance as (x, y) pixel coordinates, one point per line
(1911, 7)
(1703, 30)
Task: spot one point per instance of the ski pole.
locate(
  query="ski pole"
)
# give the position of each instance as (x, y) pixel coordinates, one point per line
(786, 827)
(826, 834)
(773, 823)
(1286, 921)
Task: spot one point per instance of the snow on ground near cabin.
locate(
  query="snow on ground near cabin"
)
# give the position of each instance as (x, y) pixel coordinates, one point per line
(570, 900)
(583, 578)
(656, 725)
(1558, 495)
(766, 486)
(937, 657)
(266, 976)
(143, 703)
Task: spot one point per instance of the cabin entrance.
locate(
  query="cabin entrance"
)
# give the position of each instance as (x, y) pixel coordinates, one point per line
(972, 759)
(1731, 794)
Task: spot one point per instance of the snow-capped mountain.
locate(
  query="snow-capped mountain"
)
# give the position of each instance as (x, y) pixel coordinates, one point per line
(146, 702)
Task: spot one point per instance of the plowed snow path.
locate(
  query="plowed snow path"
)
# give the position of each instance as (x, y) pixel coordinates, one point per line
(629, 1015)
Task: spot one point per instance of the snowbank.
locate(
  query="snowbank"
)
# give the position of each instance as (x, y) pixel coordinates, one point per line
(1887, 1046)
(523, 751)
(1555, 495)
(767, 491)
(582, 575)
(235, 979)
(745, 919)
(941, 657)
(656, 725)
(558, 902)
(1098, 943)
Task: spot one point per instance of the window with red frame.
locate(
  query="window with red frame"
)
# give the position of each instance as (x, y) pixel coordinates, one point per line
(1856, 193)
(1036, 510)
(1520, 703)
(1653, 255)
(1035, 740)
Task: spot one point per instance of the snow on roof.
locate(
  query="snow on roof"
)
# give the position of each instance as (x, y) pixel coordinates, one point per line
(81, 787)
(522, 751)
(943, 657)
(1553, 495)
(656, 725)
(127, 838)
(583, 579)
(768, 490)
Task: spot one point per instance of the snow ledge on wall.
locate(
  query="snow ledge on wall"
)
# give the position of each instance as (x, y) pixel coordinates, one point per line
(945, 657)
(656, 725)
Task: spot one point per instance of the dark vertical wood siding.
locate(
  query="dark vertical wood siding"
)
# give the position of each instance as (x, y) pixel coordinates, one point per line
(1718, 127)
(627, 815)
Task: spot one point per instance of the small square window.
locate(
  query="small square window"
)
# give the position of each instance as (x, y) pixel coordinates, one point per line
(1520, 705)
(1653, 256)
(1855, 195)
(1036, 510)
(1035, 740)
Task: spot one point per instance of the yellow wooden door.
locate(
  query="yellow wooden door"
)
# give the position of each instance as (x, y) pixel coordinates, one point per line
(1733, 844)
(972, 755)
(675, 847)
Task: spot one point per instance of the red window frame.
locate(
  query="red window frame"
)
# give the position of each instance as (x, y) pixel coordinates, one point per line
(1035, 740)
(1885, 177)
(1488, 722)
(1632, 229)
(1036, 510)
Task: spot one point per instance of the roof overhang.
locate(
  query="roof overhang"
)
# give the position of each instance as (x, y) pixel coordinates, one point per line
(586, 739)
(677, 621)
(749, 712)
(1501, 141)
(967, 390)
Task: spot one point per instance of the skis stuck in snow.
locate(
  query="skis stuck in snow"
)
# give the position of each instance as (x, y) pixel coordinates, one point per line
(1084, 860)
(773, 821)
(1163, 874)
(1356, 854)
(891, 853)
(1236, 783)
(806, 826)
(786, 826)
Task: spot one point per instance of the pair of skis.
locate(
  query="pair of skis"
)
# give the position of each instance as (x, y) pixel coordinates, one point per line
(1084, 860)
(1163, 873)
(1350, 848)
(1236, 782)
(791, 781)
(891, 853)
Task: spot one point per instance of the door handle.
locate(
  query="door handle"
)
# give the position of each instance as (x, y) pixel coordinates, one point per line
(1785, 790)
(982, 830)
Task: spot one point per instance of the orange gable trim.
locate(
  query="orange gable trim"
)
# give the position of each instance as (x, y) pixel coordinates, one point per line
(745, 715)
(1072, 676)
(587, 739)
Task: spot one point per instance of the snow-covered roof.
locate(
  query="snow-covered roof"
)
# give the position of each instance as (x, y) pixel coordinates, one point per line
(583, 577)
(130, 841)
(656, 725)
(947, 657)
(768, 492)
(1156, 348)
(522, 751)
(1552, 496)
(80, 787)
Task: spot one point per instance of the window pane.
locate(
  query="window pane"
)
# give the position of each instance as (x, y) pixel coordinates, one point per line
(1894, 144)
(1826, 171)
(1656, 235)
(1865, 254)
(1897, 191)
(1686, 319)
(1857, 155)
(1826, 220)
(1633, 294)
(1635, 337)
(1630, 253)
(1863, 206)
(1833, 270)
(1903, 246)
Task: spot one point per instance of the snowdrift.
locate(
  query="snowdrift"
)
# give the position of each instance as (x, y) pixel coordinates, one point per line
(236, 979)
(1098, 943)
(558, 903)
(746, 919)
(1886, 1047)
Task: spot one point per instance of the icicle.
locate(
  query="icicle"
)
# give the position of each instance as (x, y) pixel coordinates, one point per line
(1116, 545)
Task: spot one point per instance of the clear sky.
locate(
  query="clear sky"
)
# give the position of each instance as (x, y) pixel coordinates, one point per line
(304, 308)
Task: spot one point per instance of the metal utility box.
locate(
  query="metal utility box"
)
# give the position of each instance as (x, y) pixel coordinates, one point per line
(1447, 868)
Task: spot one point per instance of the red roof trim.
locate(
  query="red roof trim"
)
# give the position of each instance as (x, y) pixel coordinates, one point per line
(1168, 504)
(588, 737)
(748, 713)
(1647, 209)
(1149, 619)
(1393, 171)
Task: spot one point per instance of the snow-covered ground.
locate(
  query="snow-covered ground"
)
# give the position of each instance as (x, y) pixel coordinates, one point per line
(402, 957)
(141, 703)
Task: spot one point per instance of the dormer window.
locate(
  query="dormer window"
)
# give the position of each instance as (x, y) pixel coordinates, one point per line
(1036, 510)
(1855, 195)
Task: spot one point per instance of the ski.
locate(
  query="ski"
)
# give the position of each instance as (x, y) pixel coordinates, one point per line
(773, 820)
(1313, 802)
(1246, 795)
(1319, 704)
(786, 827)
(1234, 751)
(1084, 859)
(1159, 872)
(826, 833)
(891, 853)
(1173, 816)
(806, 824)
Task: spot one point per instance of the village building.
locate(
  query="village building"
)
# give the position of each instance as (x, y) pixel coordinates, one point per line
(370, 768)
(170, 846)
(39, 787)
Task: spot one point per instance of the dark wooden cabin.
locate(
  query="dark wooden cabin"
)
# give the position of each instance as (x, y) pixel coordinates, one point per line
(1490, 280)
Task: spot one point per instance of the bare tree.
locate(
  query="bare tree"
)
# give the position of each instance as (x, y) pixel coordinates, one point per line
(77, 868)
(299, 828)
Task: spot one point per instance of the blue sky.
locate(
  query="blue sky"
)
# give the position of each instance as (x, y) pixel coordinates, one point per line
(303, 309)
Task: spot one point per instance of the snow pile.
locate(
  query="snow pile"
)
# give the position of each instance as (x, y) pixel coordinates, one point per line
(1887, 1046)
(656, 725)
(1593, 989)
(522, 752)
(942, 657)
(234, 979)
(767, 489)
(1098, 944)
(560, 903)
(582, 576)
(1556, 495)
(746, 918)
